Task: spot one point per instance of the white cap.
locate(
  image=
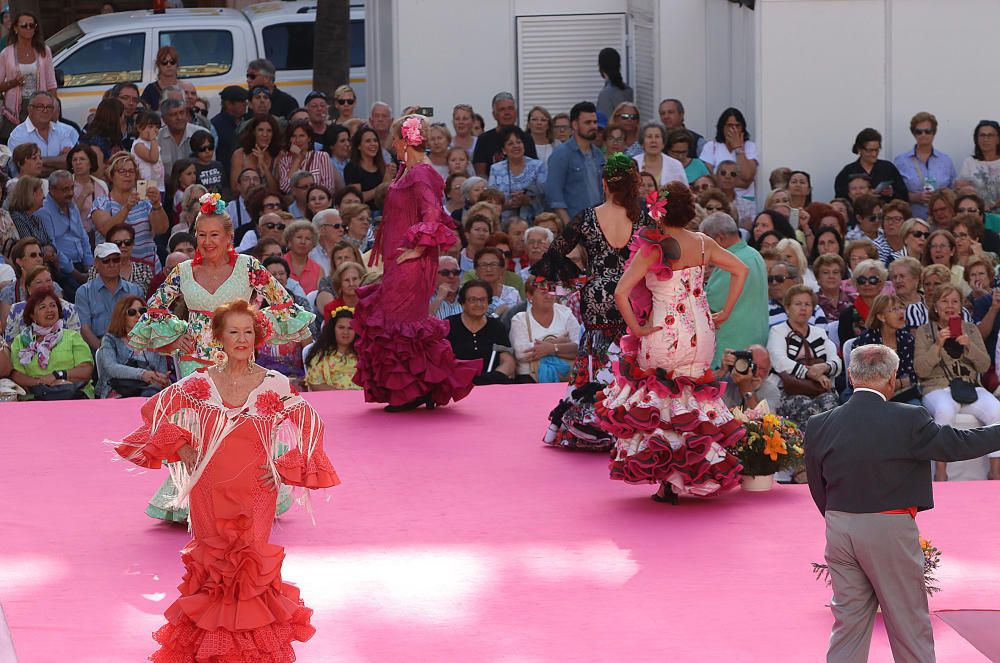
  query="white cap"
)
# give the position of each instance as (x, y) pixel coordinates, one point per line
(106, 249)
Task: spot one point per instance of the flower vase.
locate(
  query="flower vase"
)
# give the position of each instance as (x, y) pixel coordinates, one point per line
(757, 483)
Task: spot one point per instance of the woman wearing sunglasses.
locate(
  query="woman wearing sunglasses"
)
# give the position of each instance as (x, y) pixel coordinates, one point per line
(869, 278)
(344, 101)
(209, 171)
(25, 67)
(924, 168)
(732, 144)
(122, 371)
(626, 116)
(167, 64)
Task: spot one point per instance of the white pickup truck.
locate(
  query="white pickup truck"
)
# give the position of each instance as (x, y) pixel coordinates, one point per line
(215, 46)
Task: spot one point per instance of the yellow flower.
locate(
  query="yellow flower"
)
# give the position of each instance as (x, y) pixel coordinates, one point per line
(774, 445)
(771, 421)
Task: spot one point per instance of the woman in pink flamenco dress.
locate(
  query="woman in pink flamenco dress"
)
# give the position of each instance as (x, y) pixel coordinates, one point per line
(404, 358)
(221, 427)
(665, 407)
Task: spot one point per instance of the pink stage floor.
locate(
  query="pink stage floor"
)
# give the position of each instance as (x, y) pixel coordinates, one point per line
(456, 536)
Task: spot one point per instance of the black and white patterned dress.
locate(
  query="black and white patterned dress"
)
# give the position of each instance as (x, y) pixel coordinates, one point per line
(574, 423)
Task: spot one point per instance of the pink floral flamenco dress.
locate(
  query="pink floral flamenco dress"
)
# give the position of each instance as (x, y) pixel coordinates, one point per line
(404, 356)
(665, 405)
(234, 606)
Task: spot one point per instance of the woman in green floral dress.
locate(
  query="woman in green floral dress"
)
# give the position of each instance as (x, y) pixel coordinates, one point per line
(216, 275)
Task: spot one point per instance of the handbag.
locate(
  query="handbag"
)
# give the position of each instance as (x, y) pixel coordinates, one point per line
(69, 391)
(554, 369)
(127, 387)
(796, 386)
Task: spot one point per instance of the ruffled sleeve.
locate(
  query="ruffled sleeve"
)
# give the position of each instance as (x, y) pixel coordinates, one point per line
(306, 464)
(158, 327)
(434, 228)
(157, 440)
(289, 322)
(649, 242)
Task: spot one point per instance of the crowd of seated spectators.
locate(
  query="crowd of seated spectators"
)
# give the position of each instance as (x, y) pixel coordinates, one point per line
(905, 253)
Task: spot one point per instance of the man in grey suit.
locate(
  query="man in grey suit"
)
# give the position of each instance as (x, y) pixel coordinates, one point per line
(869, 474)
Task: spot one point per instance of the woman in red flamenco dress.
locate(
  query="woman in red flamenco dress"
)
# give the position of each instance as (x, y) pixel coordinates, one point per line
(404, 358)
(665, 407)
(221, 427)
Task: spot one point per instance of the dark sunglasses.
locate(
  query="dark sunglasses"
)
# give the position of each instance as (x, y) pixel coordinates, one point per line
(201, 111)
(271, 205)
(111, 260)
(923, 132)
(137, 311)
(629, 116)
(335, 226)
(870, 280)
(346, 102)
(33, 255)
(124, 242)
(920, 233)
(205, 148)
(449, 272)
(27, 26)
(778, 278)
(168, 62)
(272, 226)
(727, 173)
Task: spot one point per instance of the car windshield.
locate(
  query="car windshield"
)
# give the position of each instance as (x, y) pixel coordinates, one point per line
(65, 38)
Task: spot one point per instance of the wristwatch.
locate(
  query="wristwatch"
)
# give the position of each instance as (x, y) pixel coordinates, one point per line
(59, 375)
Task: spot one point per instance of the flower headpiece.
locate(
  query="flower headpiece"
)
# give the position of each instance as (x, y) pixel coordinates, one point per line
(212, 203)
(656, 203)
(617, 165)
(412, 131)
(334, 312)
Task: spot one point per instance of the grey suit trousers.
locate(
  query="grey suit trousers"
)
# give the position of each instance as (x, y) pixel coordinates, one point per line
(875, 559)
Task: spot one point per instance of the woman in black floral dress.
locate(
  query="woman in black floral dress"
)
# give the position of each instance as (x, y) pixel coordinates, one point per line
(605, 232)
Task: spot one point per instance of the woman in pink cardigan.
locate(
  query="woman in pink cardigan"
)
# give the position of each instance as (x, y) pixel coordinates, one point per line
(25, 66)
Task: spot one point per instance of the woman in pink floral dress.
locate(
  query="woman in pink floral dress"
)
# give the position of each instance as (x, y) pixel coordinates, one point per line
(665, 406)
(232, 433)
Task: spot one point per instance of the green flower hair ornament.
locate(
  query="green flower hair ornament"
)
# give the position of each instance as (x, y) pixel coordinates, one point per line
(617, 165)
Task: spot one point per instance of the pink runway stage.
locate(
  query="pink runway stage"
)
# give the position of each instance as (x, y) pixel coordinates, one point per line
(456, 536)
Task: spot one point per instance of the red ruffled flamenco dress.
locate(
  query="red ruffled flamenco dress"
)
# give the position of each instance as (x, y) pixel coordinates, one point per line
(403, 353)
(665, 407)
(234, 606)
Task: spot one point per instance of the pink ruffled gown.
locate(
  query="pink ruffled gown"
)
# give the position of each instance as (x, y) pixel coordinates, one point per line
(665, 406)
(403, 352)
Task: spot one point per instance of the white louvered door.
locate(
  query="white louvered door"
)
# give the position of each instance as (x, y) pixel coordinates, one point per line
(557, 58)
(644, 66)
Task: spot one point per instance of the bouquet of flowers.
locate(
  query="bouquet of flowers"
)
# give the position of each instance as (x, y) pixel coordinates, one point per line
(932, 559)
(771, 443)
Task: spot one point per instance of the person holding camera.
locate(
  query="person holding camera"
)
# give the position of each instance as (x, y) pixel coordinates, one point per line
(949, 359)
(748, 378)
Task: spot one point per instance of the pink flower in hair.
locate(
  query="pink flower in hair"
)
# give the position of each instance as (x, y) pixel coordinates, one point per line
(412, 131)
(657, 206)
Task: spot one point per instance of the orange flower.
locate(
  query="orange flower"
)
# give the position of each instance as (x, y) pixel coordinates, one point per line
(774, 445)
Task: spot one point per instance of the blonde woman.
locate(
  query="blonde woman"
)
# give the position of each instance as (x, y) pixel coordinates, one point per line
(540, 129)
(462, 120)
(792, 253)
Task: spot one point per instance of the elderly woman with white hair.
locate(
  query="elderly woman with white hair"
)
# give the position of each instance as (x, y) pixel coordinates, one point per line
(869, 277)
(301, 237)
(472, 188)
(330, 231)
(791, 252)
(444, 301)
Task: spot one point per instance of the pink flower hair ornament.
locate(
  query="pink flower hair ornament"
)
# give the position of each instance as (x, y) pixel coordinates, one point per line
(212, 203)
(412, 131)
(656, 203)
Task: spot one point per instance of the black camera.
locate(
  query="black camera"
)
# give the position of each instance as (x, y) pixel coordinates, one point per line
(743, 364)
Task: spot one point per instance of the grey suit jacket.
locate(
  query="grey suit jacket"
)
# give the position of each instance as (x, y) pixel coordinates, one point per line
(869, 456)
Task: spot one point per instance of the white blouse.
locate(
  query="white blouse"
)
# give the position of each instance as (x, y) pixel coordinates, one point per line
(564, 324)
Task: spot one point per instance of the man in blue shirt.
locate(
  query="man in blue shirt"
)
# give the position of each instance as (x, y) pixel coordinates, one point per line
(61, 220)
(96, 299)
(53, 138)
(574, 181)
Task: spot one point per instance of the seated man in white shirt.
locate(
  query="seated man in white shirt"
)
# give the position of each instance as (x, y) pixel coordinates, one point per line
(52, 137)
